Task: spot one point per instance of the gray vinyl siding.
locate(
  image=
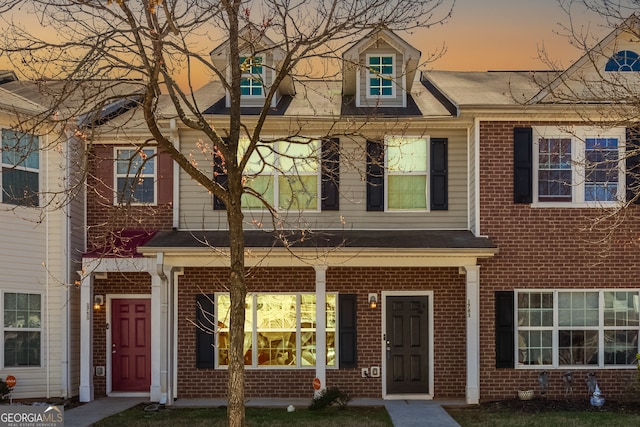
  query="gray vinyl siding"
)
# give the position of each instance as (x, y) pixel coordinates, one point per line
(196, 204)
(398, 60)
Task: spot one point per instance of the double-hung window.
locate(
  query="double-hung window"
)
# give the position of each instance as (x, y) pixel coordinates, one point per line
(407, 173)
(135, 175)
(381, 75)
(20, 168)
(577, 328)
(580, 167)
(22, 329)
(252, 81)
(284, 174)
(280, 330)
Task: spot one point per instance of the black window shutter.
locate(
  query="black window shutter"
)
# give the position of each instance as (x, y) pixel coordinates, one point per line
(505, 330)
(330, 174)
(205, 328)
(375, 176)
(522, 165)
(347, 335)
(439, 174)
(633, 165)
(220, 176)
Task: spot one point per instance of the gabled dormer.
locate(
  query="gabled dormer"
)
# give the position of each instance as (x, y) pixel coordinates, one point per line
(378, 71)
(260, 59)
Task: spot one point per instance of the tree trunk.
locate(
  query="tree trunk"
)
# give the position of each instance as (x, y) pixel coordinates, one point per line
(238, 293)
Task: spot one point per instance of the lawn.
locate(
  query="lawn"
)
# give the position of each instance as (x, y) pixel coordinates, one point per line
(541, 413)
(263, 417)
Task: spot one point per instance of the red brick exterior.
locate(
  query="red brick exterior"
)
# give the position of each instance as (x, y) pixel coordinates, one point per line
(104, 218)
(449, 342)
(544, 248)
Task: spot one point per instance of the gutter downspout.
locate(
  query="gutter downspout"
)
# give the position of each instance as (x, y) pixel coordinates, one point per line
(164, 327)
(46, 272)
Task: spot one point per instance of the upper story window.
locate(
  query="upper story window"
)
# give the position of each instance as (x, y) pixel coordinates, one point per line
(285, 175)
(20, 168)
(566, 328)
(578, 168)
(22, 329)
(407, 173)
(624, 60)
(135, 176)
(280, 330)
(252, 76)
(381, 74)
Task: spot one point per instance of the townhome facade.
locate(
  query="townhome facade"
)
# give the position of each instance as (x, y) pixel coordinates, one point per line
(43, 238)
(437, 236)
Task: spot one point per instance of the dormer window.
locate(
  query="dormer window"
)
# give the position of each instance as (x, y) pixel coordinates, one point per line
(625, 60)
(252, 76)
(381, 75)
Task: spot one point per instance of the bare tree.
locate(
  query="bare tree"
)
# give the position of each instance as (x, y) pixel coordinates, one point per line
(148, 43)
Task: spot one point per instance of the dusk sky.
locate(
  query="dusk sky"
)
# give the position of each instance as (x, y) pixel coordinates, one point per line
(497, 35)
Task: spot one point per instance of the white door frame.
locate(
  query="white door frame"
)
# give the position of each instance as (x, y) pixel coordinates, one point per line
(108, 331)
(421, 396)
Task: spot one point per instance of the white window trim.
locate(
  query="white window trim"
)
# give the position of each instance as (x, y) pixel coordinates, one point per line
(254, 335)
(392, 77)
(427, 208)
(555, 330)
(154, 176)
(37, 170)
(578, 135)
(275, 174)
(250, 75)
(41, 329)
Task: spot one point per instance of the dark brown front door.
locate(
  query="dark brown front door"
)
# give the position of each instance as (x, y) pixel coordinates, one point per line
(130, 344)
(407, 345)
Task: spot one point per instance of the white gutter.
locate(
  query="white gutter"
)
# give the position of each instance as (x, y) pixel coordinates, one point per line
(47, 279)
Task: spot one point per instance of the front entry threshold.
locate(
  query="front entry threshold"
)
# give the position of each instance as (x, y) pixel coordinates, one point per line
(408, 397)
(128, 394)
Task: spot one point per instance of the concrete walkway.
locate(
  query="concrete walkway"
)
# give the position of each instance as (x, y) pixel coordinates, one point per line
(403, 413)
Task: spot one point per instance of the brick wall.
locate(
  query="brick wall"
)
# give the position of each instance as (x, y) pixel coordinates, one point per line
(115, 283)
(545, 248)
(449, 342)
(103, 217)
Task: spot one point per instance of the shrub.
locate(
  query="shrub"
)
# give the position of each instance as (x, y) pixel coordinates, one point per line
(328, 397)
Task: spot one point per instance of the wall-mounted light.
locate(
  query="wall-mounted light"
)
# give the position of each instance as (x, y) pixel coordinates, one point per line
(98, 301)
(373, 300)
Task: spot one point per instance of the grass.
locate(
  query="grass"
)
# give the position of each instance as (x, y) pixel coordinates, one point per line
(262, 417)
(477, 417)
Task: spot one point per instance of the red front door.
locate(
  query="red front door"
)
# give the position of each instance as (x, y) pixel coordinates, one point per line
(130, 344)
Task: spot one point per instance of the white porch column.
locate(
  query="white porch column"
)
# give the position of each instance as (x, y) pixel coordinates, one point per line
(158, 332)
(321, 324)
(473, 333)
(86, 338)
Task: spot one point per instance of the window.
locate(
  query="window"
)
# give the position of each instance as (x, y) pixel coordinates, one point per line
(286, 175)
(577, 328)
(252, 76)
(281, 328)
(135, 176)
(625, 60)
(578, 168)
(380, 75)
(20, 168)
(407, 175)
(22, 329)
